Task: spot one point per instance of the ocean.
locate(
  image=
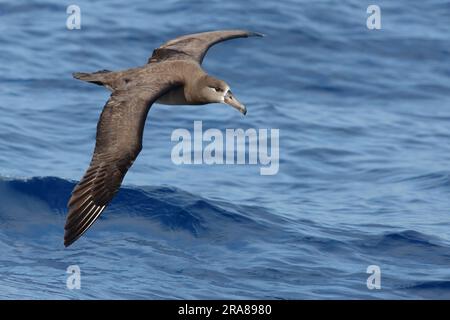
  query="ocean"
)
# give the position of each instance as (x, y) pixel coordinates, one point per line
(363, 179)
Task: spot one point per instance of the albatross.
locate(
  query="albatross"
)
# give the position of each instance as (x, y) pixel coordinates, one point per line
(174, 76)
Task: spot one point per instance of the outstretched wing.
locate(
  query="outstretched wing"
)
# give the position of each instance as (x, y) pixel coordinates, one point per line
(195, 46)
(118, 143)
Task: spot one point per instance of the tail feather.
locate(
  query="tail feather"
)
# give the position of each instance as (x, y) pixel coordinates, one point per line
(95, 77)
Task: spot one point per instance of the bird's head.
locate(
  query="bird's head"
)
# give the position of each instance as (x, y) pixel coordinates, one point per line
(213, 90)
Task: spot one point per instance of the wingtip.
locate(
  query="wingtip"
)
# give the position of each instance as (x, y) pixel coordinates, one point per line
(256, 34)
(69, 236)
(78, 75)
(68, 241)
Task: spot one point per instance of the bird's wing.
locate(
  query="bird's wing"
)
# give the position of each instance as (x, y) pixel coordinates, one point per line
(195, 46)
(118, 143)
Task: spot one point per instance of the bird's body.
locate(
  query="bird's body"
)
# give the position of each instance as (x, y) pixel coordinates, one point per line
(173, 75)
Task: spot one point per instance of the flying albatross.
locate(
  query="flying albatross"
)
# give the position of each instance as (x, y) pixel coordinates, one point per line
(173, 75)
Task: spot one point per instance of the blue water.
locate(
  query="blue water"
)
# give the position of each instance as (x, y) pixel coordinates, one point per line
(364, 173)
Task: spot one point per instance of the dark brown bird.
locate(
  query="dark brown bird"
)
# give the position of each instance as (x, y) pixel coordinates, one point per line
(173, 75)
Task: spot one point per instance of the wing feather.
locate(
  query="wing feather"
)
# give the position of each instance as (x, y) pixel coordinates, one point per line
(118, 143)
(195, 46)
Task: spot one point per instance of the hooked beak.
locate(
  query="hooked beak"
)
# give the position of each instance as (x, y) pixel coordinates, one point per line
(232, 101)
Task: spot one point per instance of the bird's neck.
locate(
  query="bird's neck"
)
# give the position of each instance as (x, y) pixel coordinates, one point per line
(193, 88)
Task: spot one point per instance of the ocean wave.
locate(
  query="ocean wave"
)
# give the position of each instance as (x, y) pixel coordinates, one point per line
(174, 235)
(40, 197)
(29, 200)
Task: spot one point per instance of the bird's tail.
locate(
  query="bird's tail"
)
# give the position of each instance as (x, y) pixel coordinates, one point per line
(100, 77)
